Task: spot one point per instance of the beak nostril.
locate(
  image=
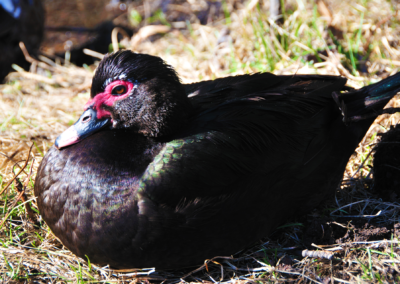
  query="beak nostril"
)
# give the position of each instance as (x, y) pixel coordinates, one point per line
(86, 119)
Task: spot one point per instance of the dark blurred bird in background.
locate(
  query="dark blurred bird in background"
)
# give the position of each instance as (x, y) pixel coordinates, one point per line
(20, 21)
(23, 21)
(99, 40)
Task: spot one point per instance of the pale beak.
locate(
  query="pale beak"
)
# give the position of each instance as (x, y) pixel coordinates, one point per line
(86, 125)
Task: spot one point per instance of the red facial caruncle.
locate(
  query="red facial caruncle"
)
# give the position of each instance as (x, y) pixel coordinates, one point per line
(115, 91)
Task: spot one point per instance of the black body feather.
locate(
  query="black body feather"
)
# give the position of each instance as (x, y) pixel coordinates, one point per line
(246, 153)
(387, 165)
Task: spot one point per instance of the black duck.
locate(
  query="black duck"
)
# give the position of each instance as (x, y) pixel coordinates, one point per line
(158, 173)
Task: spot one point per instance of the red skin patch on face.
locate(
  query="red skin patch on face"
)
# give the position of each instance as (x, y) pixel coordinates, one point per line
(108, 99)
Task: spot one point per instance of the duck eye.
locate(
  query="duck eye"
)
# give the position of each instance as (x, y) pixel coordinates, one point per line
(119, 90)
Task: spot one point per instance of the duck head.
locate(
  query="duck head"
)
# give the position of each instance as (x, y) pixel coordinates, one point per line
(131, 91)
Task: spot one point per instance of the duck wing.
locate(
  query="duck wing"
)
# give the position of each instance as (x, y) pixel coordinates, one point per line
(208, 94)
(279, 134)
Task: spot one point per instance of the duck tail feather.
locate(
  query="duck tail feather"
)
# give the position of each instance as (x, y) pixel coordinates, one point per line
(369, 101)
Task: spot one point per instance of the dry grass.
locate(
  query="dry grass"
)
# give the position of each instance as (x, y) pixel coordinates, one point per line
(37, 106)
